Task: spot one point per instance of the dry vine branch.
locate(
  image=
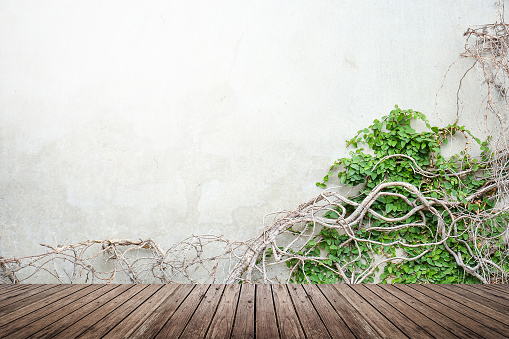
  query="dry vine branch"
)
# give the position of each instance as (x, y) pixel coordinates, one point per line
(145, 262)
(128, 261)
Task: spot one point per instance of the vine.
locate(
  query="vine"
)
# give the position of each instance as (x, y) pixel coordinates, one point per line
(409, 241)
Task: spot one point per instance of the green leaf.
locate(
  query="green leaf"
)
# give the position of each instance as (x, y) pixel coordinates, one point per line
(388, 208)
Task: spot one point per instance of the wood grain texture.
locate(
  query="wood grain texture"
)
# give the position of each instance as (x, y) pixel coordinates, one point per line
(200, 321)
(310, 319)
(176, 324)
(397, 318)
(331, 319)
(424, 322)
(254, 311)
(266, 321)
(244, 325)
(430, 312)
(32, 304)
(377, 320)
(459, 313)
(222, 323)
(83, 308)
(352, 318)
(13, 291)
(99, 313)
(471, 309)
(105, 324)
(503, 308)
(126, 327)
(502, 300)
(445, 311)
(160, 316)
(74, 304)
(29, 297)
(288, 320)
(51, 311)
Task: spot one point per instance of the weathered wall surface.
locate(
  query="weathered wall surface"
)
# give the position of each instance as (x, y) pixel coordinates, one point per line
(162, 119)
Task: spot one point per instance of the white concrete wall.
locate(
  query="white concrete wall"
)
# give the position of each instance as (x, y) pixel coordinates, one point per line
(162, 119)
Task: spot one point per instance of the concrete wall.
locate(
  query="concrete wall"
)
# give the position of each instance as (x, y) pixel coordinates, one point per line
(162, 119)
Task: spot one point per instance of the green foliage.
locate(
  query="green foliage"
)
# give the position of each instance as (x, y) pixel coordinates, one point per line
(394, 136)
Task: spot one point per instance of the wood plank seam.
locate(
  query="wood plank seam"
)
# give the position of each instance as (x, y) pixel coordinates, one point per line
(236, 311)
(385, 328)
(448, 312)
(354, 320)
(202, 296)
(161, 314)
(425, 322)
(295, 309)
(145, 298)
(275, 311)
(215, 311)
(430, 312)
(397, 318)
(470, 313)
(472, 304)
(316, 310)
(376, 308)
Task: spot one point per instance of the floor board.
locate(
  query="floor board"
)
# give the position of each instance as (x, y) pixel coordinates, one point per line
(254, 311)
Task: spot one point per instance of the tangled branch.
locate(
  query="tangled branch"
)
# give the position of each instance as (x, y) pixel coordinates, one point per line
(125, 261)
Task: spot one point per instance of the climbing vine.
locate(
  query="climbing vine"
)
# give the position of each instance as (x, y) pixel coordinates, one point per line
(397, 153)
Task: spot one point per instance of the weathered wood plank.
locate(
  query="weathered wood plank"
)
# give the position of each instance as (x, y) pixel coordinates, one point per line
(494, 291)
(126, 327)
(200, 321)
(485, 294)
(176, 324)
(427, 324)
(478, 299)
(351, 317)
(12, 292)
(457, 317)
(311, 323)
(223, 311)
(502, 288)
(431, 313)
(288, 320)
(222, 323)
(29, 297)
(244, 324)
(470, 308)
(266, 322)
(332, 321)
(44, 308)
(75, 303)
(158, 318)
(377, 320)
(24, 307)
(93, 317)
(105, 324)
(10, 287)
(396, 316)
(80, 309)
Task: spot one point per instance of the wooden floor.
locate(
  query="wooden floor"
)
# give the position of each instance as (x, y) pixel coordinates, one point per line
(248, 311)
